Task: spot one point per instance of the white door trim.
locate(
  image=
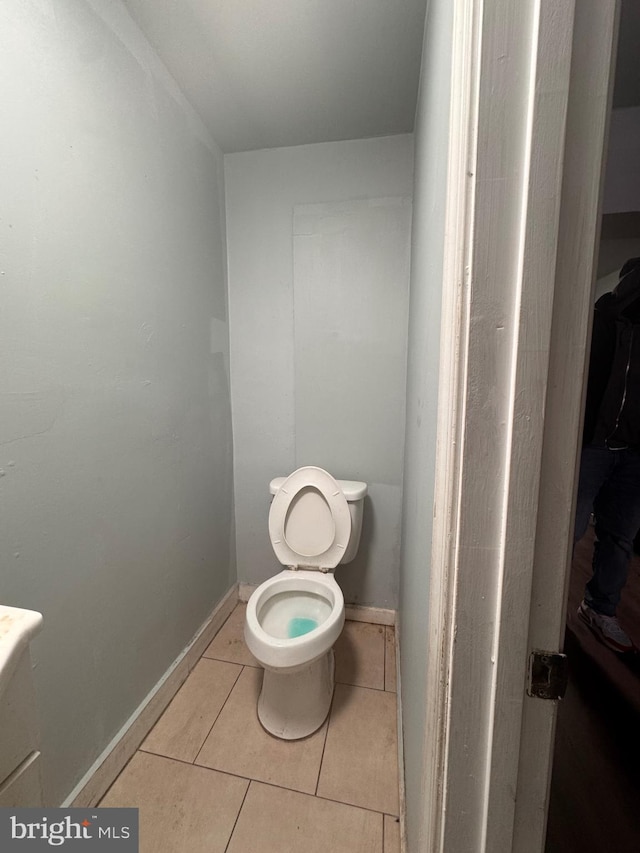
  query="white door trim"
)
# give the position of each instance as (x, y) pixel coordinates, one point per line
(450, 419)
(510, 90)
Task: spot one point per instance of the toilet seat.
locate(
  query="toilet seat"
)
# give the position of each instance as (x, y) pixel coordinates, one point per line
(307, 550)
(284, 654)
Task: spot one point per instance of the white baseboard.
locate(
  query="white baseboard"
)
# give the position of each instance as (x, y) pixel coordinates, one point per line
(374, 615)
(104, 771)
(353, 612)
(246, 590)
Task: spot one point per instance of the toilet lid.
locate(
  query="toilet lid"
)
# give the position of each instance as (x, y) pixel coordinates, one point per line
(309, 520)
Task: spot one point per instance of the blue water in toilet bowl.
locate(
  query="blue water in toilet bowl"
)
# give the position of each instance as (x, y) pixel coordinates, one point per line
(300, 625)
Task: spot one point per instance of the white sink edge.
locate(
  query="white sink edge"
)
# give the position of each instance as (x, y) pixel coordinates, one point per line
(17, 629)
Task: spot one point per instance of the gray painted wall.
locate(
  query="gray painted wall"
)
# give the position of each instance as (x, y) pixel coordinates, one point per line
(115, 433)
(287, 343)
(431, 154)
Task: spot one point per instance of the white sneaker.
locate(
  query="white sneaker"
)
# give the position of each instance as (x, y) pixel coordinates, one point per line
(606, 628)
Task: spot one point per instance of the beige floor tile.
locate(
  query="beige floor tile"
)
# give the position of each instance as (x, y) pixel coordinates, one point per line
(360, 655)
(391, 834)
(182, 729)
(228, 644)
(360, 763)
(183, 809)
(390, 659)
(238, 744)
(274, 820)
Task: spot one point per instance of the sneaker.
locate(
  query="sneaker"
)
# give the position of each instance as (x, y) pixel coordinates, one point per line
(606, 628)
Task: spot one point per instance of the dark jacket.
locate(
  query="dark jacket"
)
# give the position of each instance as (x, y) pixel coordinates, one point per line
(612, 414)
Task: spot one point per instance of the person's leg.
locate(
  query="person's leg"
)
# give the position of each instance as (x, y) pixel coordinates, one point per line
(596, 464)
(617, 511)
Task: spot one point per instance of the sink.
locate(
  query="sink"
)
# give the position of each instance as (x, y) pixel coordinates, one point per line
(20, 779)
(17, 629)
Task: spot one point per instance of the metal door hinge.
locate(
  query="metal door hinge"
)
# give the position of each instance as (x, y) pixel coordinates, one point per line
(548, 674)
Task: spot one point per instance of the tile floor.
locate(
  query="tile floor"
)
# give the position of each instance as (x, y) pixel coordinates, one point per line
(209, 778)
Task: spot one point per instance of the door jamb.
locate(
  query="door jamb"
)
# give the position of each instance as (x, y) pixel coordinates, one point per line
(506, 141)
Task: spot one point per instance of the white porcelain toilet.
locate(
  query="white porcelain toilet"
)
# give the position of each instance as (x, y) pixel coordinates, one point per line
(294, 618)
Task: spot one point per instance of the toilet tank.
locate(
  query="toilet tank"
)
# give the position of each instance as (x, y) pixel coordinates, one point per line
(355, 492)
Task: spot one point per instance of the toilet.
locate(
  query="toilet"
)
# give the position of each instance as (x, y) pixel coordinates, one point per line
(294, 618)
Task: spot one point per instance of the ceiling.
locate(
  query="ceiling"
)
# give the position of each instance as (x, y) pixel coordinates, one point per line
(270, 73)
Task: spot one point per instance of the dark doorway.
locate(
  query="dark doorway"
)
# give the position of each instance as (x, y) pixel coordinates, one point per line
(595, 787)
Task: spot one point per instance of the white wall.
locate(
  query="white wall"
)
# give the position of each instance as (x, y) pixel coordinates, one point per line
(431, 145)
(115, 435)
(274, 345)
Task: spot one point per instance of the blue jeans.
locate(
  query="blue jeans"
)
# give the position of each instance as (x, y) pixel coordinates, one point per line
(609, 486)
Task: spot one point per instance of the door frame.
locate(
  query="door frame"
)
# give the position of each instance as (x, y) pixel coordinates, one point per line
(531, 85)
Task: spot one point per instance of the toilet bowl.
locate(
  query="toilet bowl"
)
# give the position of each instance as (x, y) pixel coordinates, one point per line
(294, 618)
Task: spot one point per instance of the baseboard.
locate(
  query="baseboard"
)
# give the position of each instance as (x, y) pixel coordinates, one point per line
(246, 590)
(353, 612)
(104, 771)
(374, 615)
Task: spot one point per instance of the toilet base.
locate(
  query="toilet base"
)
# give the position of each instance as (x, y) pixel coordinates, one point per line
(295, 704)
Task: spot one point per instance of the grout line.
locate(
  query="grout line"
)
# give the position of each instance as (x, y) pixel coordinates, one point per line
(270, 784)
(324, 743)
(242, 666)
(185, 762)
(325, 799)
(200, 766)
(226, 660)
(218, 715)
(352, 805)
(168, 757)
(365, 687)
(235, 823)
(362, 687)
